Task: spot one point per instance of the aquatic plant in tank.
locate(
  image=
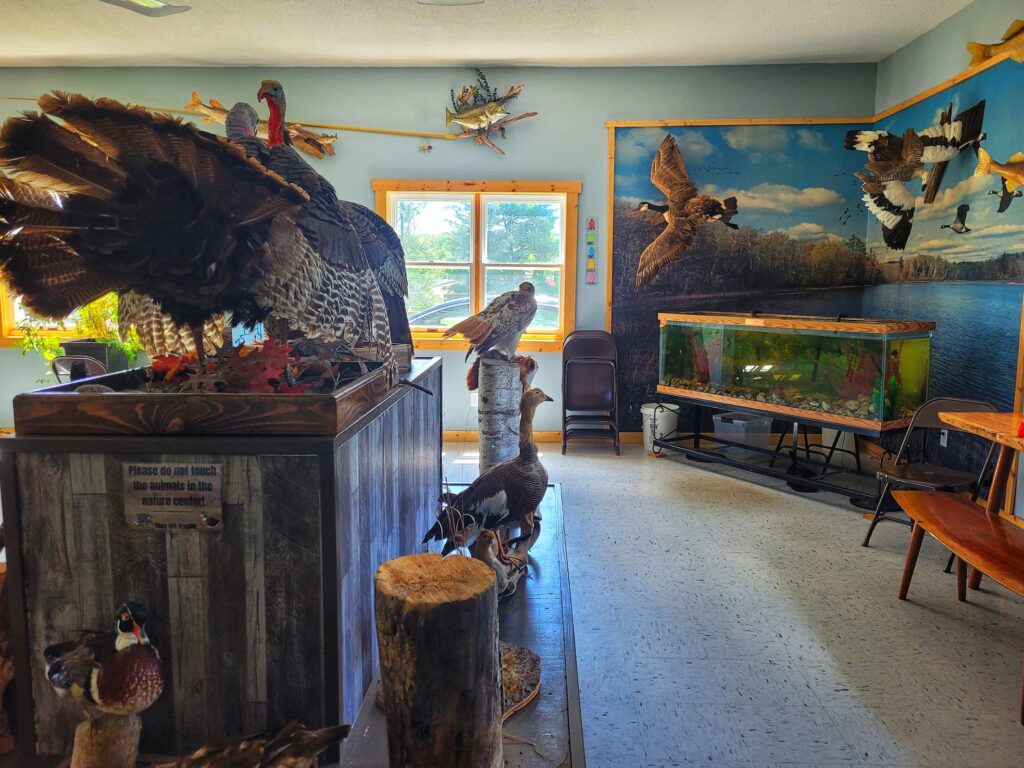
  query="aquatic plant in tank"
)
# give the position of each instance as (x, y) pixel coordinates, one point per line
(871, 371)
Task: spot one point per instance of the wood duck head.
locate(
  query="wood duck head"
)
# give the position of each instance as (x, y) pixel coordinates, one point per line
(130, 626)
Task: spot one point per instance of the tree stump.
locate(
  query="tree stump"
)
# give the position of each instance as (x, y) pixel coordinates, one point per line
(437, 627)
(501, 392)
(109, 741)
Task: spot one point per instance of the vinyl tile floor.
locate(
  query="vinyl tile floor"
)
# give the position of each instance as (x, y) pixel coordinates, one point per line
(722, 620)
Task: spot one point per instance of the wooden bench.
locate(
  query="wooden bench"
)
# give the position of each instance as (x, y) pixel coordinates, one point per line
(987, 543)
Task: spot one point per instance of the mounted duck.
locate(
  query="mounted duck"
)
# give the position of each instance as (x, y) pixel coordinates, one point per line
(506, 495)
(117, 672)
(683, 211)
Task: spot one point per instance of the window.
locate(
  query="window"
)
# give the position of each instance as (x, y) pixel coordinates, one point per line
(12, 314)
(468, 242)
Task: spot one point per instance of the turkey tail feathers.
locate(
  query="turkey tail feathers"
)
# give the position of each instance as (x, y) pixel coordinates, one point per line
(43, 152)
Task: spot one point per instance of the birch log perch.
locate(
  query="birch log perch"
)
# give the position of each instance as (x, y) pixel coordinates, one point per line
(437, 628)
(109, 741)
(501, 392)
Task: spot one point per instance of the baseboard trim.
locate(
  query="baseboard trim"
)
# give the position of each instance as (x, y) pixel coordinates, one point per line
(472, 436)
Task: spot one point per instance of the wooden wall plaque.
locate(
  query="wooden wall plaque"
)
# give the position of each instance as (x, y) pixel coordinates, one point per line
(173, 495)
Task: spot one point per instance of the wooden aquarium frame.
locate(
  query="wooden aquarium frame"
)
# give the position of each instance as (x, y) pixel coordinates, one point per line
(799, 322)
(788, 412)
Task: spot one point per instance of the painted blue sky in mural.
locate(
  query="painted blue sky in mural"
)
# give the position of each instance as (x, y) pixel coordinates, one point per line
(992, 233)
(797, 179)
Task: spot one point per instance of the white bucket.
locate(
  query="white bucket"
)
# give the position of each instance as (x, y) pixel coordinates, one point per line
(659, 420)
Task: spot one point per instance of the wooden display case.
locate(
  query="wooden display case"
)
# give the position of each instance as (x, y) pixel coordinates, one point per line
(266, 619)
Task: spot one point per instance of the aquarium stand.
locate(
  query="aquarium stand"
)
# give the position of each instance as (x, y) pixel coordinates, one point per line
(809, 467)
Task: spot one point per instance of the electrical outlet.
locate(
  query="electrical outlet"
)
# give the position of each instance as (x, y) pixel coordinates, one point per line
(474, 400)
(943, 437)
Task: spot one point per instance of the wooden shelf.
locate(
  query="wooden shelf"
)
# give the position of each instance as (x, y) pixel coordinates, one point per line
(787, 412)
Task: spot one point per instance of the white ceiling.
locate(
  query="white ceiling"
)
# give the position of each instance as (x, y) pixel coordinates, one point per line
(511, 32)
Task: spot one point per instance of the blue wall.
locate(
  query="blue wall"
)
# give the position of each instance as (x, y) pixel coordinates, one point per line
(941, 53)
(567, 141)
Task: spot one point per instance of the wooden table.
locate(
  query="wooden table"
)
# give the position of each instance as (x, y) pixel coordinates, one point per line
(981, 538)
(1000, 428)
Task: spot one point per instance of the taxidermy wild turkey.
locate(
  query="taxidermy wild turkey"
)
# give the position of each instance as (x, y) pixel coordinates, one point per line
(348, 227)
(158, 333)
(507, 494)
(117, 672)
(683, 211)
(894, 160)
(500, 324)
(120, 199)
(292, 746)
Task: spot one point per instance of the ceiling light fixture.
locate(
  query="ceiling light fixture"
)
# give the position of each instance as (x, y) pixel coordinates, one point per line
(450, 2)
(149, 7)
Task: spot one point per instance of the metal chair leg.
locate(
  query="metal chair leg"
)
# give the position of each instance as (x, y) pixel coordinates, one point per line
(879, 513)
(949, 563)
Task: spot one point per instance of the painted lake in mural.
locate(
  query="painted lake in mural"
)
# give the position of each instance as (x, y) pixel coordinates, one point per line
(975, 323)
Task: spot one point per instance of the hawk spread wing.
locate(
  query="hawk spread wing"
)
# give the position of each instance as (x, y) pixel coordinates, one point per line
(504, 318)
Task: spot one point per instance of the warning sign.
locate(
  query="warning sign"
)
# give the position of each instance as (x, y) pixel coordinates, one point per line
(168, 496)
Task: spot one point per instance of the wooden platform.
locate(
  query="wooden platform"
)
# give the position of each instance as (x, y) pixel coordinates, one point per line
(265, 620)
(548, 731)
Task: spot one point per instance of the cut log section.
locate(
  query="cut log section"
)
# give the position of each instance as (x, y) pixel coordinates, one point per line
(109, 741)
(437, 628)
(501, 392)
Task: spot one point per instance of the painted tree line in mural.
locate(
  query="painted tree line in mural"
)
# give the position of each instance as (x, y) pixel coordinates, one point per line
(751, 260)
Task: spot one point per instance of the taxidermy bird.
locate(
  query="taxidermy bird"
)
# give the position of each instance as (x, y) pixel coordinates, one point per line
(505, 565)
(292, 746)
(500, 324)
(120, 199)
(354, 233)
(683, 212)
(158, 333)
(1005, 196)
(527, 370)
(894, 160)
(117, 672)
(319, 145)
(507, 494)
(1013, 42)
(959, 225)
(1012, 171)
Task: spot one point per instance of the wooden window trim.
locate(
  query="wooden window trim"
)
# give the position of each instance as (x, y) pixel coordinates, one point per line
(531, 342)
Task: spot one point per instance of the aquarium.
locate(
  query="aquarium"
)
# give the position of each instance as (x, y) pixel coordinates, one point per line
(871, 374)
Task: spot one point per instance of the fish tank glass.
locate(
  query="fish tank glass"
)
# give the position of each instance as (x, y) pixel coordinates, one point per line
(863, 373)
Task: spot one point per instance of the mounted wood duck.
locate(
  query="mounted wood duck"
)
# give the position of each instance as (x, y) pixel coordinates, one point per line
(293, 746)
(507, 494)
(117, 672)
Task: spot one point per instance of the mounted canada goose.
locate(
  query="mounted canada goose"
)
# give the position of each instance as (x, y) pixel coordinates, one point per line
(960, 224)
(683, 212)
(894, 160)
